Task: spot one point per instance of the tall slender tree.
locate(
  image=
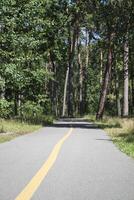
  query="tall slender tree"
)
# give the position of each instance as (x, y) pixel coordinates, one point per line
(126, 79)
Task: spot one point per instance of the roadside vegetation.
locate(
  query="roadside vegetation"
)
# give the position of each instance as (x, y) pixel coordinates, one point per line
(121, 131)
(67, 58)
(9, 129)
(31, 117)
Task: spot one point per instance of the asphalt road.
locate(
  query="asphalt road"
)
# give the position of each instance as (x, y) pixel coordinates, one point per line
(87, 165)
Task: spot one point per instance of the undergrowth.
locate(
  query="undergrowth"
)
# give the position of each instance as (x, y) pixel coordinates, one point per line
(121, 130)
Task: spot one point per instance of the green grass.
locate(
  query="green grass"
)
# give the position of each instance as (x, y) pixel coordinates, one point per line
(9, 129)
(121, 130)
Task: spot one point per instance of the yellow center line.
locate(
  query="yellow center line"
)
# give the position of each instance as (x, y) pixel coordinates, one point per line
(35, 182)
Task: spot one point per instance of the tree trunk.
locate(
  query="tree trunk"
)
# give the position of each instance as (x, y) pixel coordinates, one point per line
(68, 79)
(101, 66)
(106, 80)
(53, 83)
(85, 70)
(2, 93)
(117, 86)
(16, 103)
(118, 95)
(131, 61)
(65, 93)
(72, 41)
(132, 91)
(80, 78)
(125, 95)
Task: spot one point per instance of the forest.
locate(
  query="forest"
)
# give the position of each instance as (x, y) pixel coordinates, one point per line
(66, 58)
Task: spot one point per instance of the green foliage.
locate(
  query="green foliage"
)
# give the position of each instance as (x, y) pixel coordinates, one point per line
(121, 131)
(35, 41)
(46, 119)
(45, 103)
(33, 113)
(93, 81)
(12, 128)
(5, 108)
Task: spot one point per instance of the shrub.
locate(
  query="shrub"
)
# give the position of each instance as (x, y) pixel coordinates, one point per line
(47, 120)
(5, 108)
(33, 113)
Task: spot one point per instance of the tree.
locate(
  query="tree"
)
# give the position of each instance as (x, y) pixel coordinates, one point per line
(126, 81)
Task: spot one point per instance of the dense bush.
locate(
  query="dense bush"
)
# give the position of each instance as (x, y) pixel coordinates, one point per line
(33, 113)
(30, 111)
(5, 108)
(47, 119)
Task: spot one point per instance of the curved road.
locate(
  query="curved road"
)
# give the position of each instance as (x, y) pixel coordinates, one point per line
(73, 160)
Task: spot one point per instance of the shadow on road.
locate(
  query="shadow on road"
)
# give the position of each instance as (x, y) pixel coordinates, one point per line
(104, 139)
(74, 123)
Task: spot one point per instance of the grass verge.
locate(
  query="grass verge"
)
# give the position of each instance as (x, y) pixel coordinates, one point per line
(121, 130)
(9, 129)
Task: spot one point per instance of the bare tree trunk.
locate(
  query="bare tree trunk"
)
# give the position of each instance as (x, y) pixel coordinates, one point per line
(87, 49)
(101, 66)
(2, 94)
(72, 41)
(131, 61)
(73, 30)
(117, 86)
(16, 103)
(53, 83)
(65, 93)
(85, 69)
(81, 84)
(19, 103)
(132, 91)
(118, 95)
(125, 95)
(80, 78)
(68, 79)
(106, 81)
